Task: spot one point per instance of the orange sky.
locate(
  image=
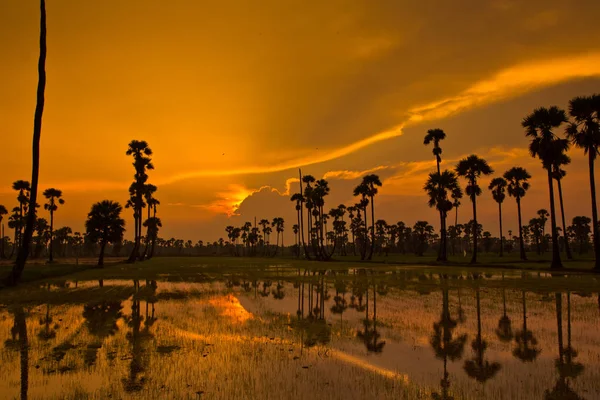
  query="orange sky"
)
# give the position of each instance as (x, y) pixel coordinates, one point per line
(233, 97)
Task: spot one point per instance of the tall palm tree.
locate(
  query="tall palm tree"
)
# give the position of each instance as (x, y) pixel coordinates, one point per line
(437, 188)
(371, 182)
(435, 136)
(105, 225)
(498, 188)
(472, 168)
(54, 197)
(546, 146)
(584, 133)
(517, 187)
(278, 224)
(24, 191)
(3, 212)
(152, 224)
(141, 152)
(558, 173)
(17, 270)
(299, 199)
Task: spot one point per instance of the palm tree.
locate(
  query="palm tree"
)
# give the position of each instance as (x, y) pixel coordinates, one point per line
(546, 146)
(299, 199)
(558, 173)
(17, 270)
(517, 187)
(54, 197)
(435, 136)
(498, 188)
(142, 162)
(3, 212)
(437, 188)
(24, 189)
(105, 225)
(472, 168)
(149, 190)
(278, 225)
(152, 225)
(371, 182)
(361, 190)
(584, 133)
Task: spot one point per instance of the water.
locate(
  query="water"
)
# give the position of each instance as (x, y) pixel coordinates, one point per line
(339, 336)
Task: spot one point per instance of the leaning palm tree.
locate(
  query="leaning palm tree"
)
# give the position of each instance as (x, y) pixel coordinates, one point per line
(17, 270)
(104, 225)
(558, 173)
(435, 136)
(584, 133)
(517, 187)
(546, 146)
(54, 197)
(437, 188)
(472, 168)
(498, 188)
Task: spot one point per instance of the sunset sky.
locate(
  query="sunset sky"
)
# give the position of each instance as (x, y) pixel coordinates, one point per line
(233, 96)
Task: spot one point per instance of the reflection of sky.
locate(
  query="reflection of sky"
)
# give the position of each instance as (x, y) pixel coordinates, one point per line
(217, 328)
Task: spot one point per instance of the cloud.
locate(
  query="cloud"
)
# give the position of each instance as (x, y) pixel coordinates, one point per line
(348, 175)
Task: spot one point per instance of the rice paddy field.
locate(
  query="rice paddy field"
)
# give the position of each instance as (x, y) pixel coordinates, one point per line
(255, 329)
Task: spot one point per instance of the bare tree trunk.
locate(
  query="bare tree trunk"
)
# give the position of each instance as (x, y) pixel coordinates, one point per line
(17, 270)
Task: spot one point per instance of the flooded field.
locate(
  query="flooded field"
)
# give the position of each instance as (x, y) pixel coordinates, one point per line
(352, 334)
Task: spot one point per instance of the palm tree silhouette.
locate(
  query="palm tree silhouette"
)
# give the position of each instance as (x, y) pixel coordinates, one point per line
(584, 133)
(558, 173)
(445, 346)
(54, 197)
(472, 168)
(478, 368)
(371, 182)
(17, 269)
(24, 192)
(105, 225)
(524, 338)
(299, 199)
(546, 146)
(456, 195)
(278, 224)
(437, 188)
(517, 187)
(141, 152)
(435, 136)
(498, 189)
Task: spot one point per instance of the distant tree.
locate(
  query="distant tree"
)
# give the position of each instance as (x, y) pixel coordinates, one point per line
(371, 182)
(518, 185)
(546, 146)
(3, 212)
(472, 168)
(584, 133)
(104, 225)
(54, 197)
(278, 224)
(498, 188)
(580, 231)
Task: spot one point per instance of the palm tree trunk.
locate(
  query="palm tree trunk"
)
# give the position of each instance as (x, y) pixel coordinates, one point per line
(17, 270)
(101, 257)
(501, 238)
(50, 258)
(591, 156)
(521, 242)
(442, 249)
(556, 263)
(474, 201)
(372, 227)
(564, 225)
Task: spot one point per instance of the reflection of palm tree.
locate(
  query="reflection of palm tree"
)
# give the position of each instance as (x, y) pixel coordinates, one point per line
(370, 337)
(566, 366)
(444, 345)
(278, 293)
(504, 330)
(524, 339)
(479, 368)
(19, 341)
(46, 333)
(101, 321)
